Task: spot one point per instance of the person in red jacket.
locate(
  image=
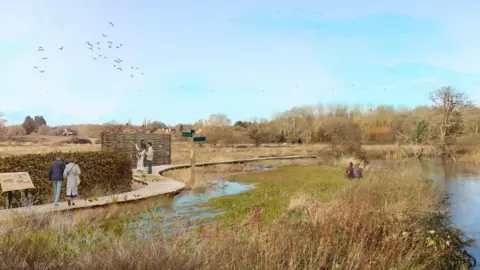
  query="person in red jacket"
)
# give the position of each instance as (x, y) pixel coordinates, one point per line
(349, 173)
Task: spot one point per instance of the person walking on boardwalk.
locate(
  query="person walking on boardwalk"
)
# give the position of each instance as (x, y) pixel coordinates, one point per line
(55, 175)
(150, 157)
(72, 175)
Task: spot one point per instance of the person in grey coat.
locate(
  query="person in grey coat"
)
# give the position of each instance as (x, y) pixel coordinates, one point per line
(72, 174)
(55, 175)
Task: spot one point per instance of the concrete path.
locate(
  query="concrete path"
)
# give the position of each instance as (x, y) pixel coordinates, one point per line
(161, 186)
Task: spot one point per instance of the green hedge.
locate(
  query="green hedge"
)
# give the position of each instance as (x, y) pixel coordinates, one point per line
(104, 171)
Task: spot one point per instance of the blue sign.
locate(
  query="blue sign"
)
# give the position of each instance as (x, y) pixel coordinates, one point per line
(199, 139)
(186, 134)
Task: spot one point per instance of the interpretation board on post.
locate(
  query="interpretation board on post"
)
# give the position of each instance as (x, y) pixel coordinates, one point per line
(15, 181)
(186, 134)
(200, 139)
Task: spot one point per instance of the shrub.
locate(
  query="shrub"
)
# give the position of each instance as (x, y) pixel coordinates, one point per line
(76, 140)
(43, 130)
(14, 130)
(105, 170)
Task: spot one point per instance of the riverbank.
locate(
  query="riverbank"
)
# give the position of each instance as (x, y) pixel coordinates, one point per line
(297, 217)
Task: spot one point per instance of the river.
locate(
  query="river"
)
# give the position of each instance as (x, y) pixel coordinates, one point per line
(462, 183)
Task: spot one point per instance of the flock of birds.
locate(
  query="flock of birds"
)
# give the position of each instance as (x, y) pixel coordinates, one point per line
(99, 54)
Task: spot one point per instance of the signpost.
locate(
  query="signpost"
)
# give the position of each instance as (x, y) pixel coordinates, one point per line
(15, 181)
(192, 152)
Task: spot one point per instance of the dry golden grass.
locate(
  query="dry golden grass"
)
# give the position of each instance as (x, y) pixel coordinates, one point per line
(33, 144)
(472, 157)
(181, 151)
(38, 144)
(389, 220)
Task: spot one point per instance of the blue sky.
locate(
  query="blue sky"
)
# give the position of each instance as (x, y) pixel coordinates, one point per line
(243, 58)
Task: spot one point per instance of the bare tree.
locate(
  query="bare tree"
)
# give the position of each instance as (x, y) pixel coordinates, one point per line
(417, 136)
(2, 124)
(257, 131)
(447, 103)
(218, 120)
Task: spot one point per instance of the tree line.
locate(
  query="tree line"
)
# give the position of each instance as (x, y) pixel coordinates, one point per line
(450, 119)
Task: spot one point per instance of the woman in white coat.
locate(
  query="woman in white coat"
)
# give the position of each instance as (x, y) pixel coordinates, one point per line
(72, 174)
(140, 157)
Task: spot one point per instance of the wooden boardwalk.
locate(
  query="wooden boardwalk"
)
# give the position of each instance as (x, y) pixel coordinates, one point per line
(164, 186)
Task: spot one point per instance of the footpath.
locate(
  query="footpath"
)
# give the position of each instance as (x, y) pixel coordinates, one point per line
(164, 186)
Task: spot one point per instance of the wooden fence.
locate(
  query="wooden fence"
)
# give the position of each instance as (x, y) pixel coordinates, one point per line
(161, 143)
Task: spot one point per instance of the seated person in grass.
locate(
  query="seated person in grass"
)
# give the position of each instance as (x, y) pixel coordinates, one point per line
(358, 171)
(349, 172)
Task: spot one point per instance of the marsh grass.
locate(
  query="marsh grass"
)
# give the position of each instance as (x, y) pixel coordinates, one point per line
(275, 188)
(472, 157)
(298, 217)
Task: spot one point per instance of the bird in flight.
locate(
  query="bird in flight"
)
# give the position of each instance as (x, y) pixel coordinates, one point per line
(94, 58)
(114, 65)
(132, 67)
(98, 43)
(109, 42)
(105, 57)
(44, 58)
(121, 45)
(35, 67)
(137, 67)
(91, 49)
(142, 73)
(118, 47)
(119, 69)
(40, 49)
(99, 55)
(42, 71)
(132, 76)
(104, 35)
(98, 48)
(112, 24)
(89, 44)
(61, 48)
(119, 59)
(110, 46)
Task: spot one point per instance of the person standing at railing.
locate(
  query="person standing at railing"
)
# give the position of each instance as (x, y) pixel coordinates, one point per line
(150, 157)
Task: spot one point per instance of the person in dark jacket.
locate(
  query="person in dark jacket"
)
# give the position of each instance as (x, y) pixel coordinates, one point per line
(55, 174)
(349, 173)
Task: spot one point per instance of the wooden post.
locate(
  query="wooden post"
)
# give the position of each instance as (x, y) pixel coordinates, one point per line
(192, 159)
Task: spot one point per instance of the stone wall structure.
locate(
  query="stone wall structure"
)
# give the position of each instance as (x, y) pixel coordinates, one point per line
(161, 143)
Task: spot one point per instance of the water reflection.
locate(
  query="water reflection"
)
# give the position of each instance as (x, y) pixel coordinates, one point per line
(461, 182)
(190, 206)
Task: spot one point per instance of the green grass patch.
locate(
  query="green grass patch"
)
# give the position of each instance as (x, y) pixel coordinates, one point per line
(275, 188)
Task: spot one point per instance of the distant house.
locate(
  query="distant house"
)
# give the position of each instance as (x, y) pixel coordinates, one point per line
(68, 132)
